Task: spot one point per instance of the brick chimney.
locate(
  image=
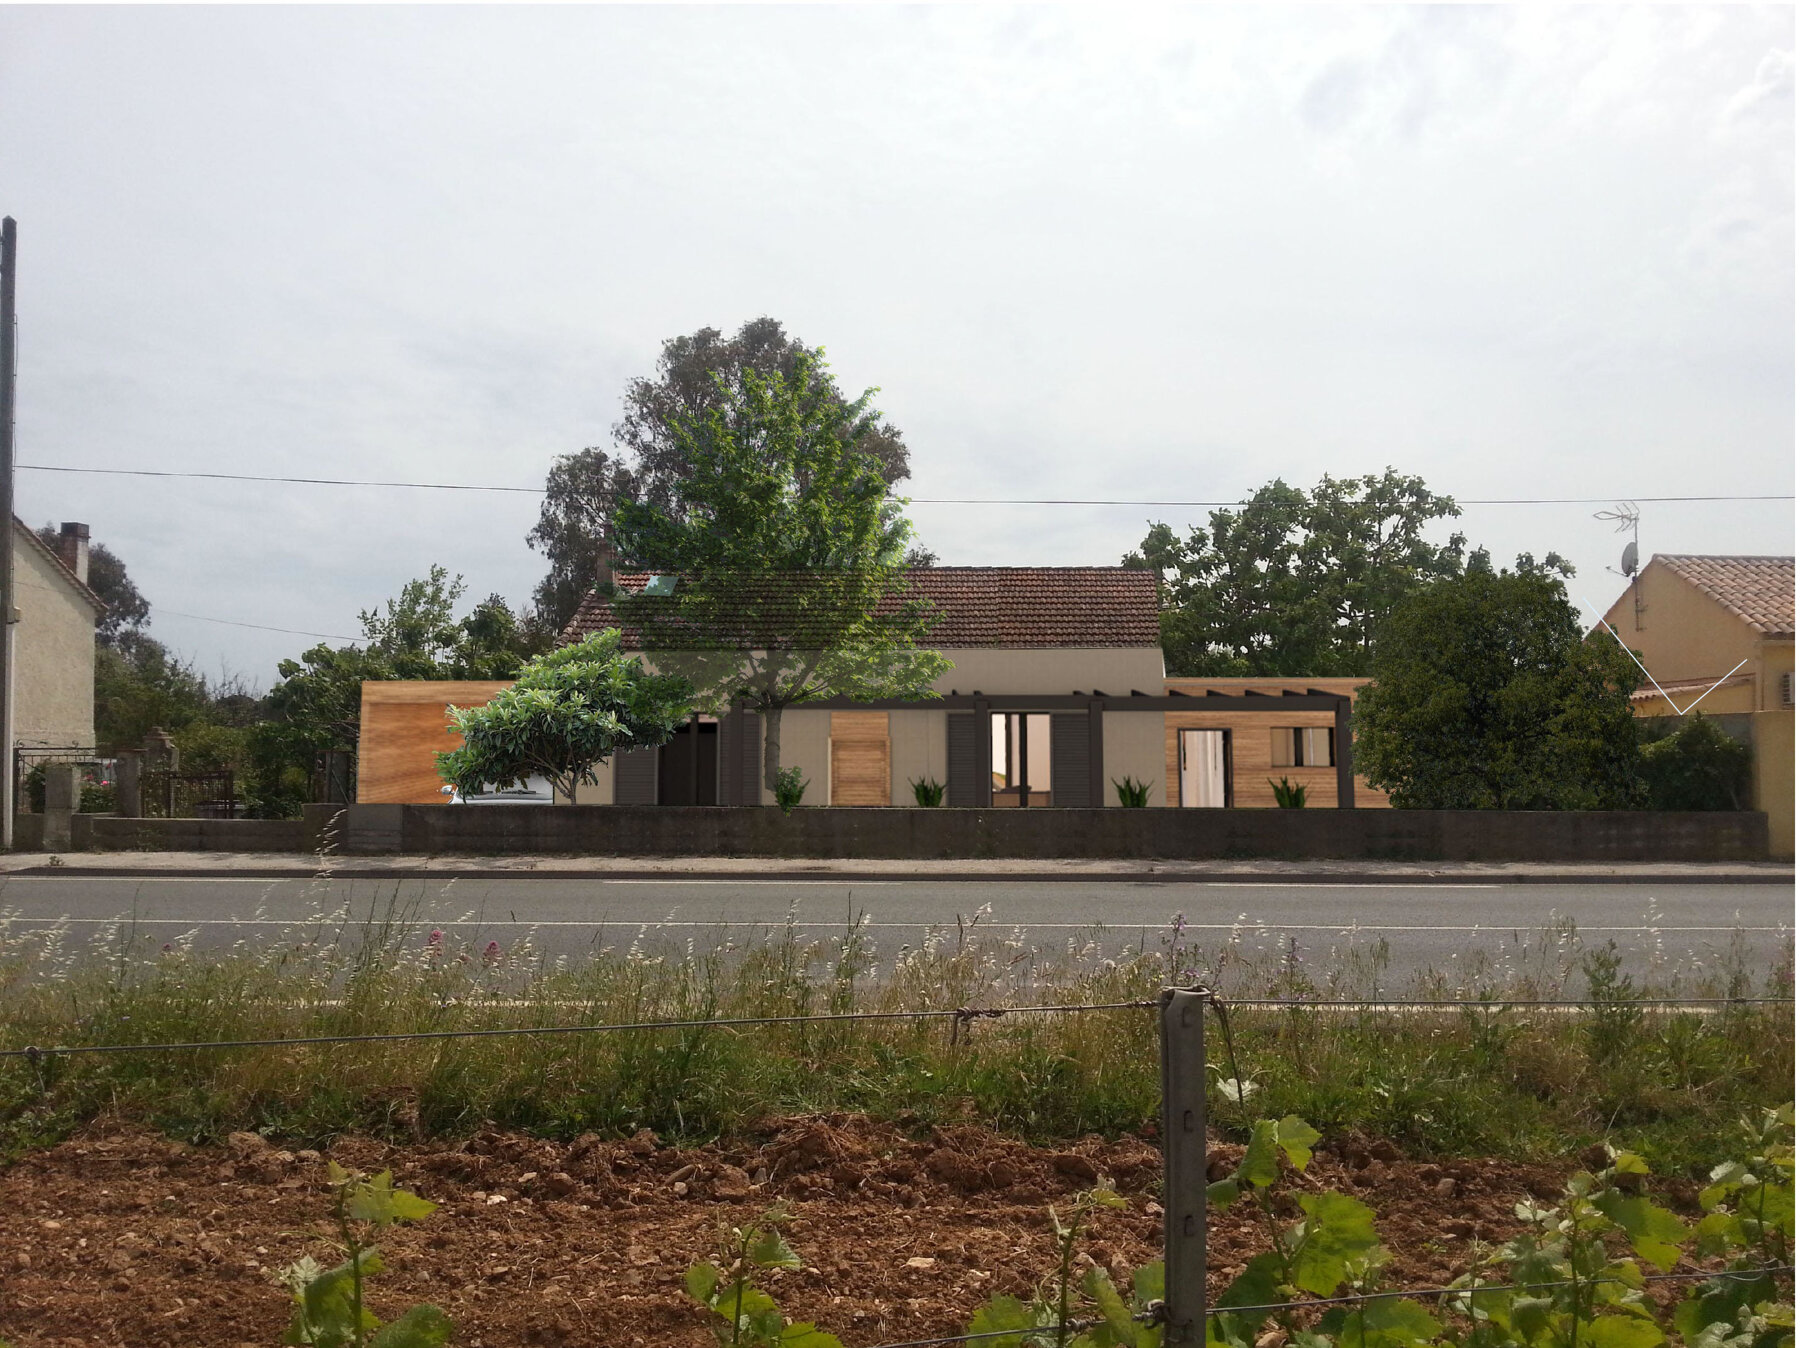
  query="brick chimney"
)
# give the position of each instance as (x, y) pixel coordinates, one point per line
(72, 547)
(604, 558)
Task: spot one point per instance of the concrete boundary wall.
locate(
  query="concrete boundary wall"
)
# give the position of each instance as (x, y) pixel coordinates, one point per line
(111, 833)
(952, 834)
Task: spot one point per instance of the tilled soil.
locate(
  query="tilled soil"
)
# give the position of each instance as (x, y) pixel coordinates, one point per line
(125, 1238)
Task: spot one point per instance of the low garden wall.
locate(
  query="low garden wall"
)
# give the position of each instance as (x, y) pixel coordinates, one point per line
(113, 833)
(955, 834)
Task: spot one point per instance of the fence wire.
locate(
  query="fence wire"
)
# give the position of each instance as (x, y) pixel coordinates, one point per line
(1072, 1327)
(960, 1018)
(960, 1015)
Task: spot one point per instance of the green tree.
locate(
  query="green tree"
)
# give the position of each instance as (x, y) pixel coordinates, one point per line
(318, 702)
(569, 711)
(1295, 583)
(789, 552)
(138, 685)
(1695, 766)
(650, 460)
(1486, 695)
(127, 611)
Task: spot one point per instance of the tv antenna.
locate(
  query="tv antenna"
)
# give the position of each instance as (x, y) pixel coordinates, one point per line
(1625, 517)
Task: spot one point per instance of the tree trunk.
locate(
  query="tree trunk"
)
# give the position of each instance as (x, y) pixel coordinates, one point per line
(771, 719)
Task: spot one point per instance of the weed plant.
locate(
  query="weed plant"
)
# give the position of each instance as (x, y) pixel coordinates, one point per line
(1486, 1079)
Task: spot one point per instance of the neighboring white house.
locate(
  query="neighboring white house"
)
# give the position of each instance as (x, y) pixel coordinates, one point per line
(53, 640)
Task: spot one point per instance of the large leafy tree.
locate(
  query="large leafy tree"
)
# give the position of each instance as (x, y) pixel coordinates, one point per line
(1294, 583)
(789, 550)
(1487, 695)
(569, 711)
(415, 635)
(649, 460)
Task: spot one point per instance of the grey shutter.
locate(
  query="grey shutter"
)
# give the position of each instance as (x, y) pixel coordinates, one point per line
(634, 777)
(1069, 777)
(964, 762)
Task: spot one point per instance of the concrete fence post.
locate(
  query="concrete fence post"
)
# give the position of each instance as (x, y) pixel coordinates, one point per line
(62, 799)
(1183, 1022)
(128, 800)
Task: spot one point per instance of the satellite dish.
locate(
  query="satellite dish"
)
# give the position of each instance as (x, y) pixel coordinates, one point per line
(1628, 560)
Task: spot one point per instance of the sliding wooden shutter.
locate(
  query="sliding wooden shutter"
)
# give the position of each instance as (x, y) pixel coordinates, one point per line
(860, 772)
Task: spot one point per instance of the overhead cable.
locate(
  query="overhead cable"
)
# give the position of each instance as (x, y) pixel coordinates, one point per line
(915, 500)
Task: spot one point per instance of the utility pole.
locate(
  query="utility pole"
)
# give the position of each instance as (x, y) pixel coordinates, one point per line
(9, 362)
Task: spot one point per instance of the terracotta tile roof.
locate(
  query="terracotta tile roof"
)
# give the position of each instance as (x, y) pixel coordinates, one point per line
(1650, 692)
(1006, 606)
(1760, 590)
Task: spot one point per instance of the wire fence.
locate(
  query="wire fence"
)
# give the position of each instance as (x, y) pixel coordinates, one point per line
(1061, 1332)
(960, 1018)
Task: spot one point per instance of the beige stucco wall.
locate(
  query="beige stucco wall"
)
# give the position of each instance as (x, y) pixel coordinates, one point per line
(1679, 633)
(1059, 672)
(1772, 780)
(53, 647)
(1134, 748)
(919, 742)
(806, 744)
(601, 793)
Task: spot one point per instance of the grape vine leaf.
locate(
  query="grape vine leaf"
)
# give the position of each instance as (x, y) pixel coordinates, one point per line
(1000, 1314)
(1258, 1285)
(1621, 1331)
(1296, 1137)
(1388, 1323)
(422, 1327)
(1656, 1233)
(1337, 1229)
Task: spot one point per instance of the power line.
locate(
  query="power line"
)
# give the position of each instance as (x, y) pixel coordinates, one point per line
(916, 500)
(1472, 501)
(255, 477)
(260, 627)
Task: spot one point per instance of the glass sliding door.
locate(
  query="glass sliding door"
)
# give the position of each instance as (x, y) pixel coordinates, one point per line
(1021, 758)
(1204, 767)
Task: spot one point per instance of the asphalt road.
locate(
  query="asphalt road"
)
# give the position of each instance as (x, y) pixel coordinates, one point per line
(1441, 927)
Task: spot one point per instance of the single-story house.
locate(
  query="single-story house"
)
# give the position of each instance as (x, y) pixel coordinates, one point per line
(1725, 624)
(1055, 695)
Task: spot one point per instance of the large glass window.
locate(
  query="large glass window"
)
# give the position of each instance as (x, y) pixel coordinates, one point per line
(1021, 758)
(1301, 747)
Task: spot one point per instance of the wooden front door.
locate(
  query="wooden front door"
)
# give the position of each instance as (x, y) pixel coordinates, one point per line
(860, 762)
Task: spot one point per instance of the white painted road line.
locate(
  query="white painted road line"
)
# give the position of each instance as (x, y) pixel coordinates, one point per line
(775, 923)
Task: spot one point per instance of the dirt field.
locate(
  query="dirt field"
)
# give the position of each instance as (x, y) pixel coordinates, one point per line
(127, 1239)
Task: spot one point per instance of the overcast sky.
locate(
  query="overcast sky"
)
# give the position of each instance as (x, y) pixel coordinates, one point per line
(1148, 253)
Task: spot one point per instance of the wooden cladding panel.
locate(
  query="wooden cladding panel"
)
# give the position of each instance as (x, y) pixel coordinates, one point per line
(404, 728)
(1252, 763)
(861, 758)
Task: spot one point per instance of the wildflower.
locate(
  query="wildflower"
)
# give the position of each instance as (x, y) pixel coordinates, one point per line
(491, 956)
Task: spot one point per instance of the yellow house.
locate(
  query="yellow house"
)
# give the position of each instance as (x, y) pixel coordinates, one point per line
(1695, 621)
